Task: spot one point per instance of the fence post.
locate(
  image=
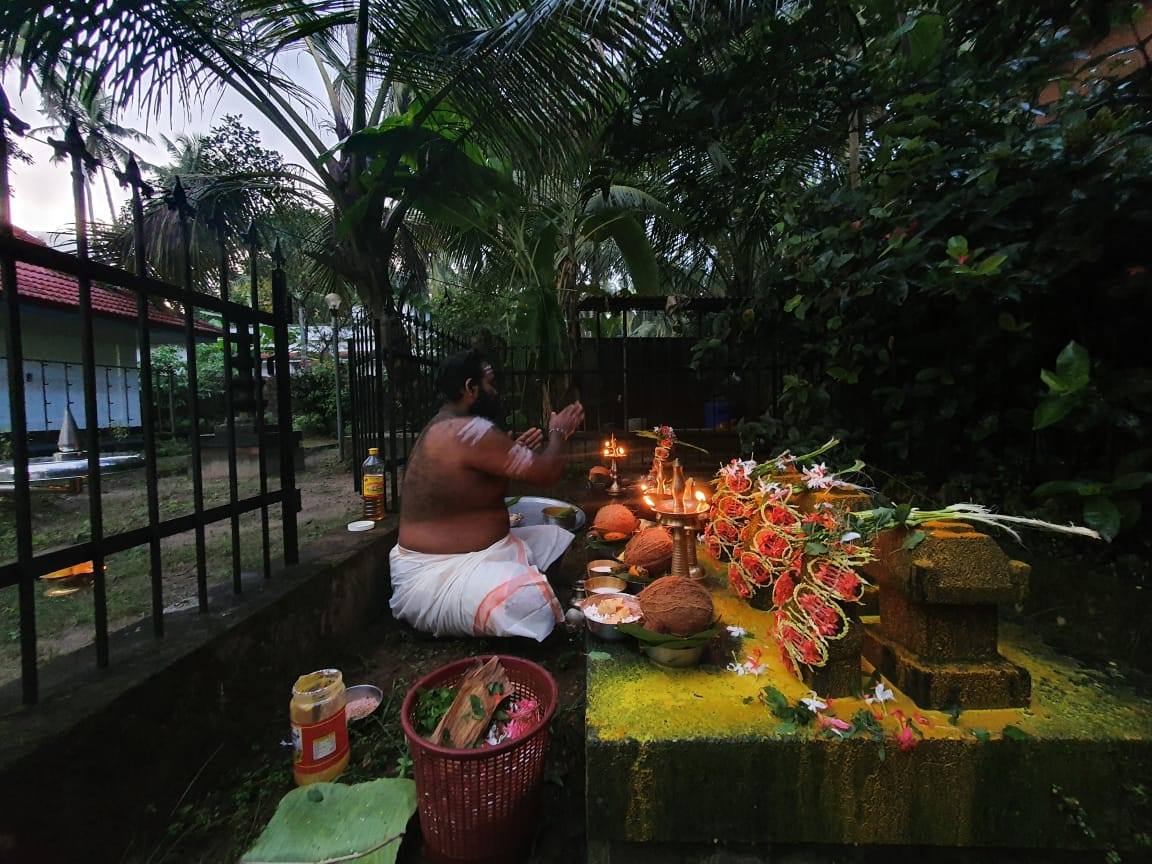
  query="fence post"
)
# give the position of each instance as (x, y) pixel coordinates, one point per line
(290, 499)
(253, 240)
(178, 202)
(29, 680)
(73, 147)
(132, 178)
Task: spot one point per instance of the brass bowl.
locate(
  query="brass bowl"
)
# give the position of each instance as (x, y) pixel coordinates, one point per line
(605, 584)
(670, 657)
(564, 517)
(607, 632)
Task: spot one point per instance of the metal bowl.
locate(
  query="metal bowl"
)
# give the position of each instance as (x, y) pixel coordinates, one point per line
(607, 632)
(672, 657)
(565, 517)
(362, 696)
(605, 584)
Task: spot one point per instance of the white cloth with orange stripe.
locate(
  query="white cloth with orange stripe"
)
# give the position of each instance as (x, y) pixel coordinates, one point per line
(498, 591)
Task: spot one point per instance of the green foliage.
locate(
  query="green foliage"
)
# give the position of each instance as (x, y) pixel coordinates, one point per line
(431, 706)
(314, 397)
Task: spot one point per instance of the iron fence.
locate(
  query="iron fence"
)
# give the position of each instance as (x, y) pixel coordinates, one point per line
(624, 380)
(392, 365)
(240, 332)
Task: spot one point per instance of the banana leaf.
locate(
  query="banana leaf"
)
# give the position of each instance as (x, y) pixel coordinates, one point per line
(329, 822)
(667, 640)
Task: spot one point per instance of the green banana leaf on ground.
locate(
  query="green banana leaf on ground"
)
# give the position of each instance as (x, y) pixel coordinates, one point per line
(331, 822)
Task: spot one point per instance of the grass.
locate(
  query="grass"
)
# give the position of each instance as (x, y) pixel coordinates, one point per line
(67, 623)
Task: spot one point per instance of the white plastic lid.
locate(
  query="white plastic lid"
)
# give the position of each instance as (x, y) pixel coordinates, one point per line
(361, 525)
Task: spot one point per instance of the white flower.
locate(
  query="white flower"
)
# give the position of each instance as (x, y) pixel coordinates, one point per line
(748, 667)
(736, 632)
(817, 477)
(850, 536)
(814, 703)
(749, 465)
(881, 694)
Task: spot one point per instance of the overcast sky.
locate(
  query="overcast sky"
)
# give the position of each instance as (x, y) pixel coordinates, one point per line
(41, 192)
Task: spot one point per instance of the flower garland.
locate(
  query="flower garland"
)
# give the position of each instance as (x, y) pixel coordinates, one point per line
(666, 441)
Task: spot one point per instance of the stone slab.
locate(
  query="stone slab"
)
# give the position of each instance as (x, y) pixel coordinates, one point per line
(693, 757)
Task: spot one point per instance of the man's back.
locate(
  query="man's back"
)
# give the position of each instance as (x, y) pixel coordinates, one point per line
(449, 506)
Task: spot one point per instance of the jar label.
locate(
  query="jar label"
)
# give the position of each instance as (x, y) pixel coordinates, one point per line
(373, 484)
(319, 746)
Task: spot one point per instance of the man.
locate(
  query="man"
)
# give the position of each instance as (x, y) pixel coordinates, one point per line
(458, 569)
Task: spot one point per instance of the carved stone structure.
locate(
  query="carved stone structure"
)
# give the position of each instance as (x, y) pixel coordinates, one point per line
(938, 631)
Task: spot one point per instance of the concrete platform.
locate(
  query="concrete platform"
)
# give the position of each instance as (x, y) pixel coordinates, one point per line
(695, 758)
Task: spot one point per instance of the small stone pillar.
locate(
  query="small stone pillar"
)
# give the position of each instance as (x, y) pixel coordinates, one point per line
(937, 637)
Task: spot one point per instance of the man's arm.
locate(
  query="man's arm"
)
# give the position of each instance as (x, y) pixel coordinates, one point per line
(487, 449)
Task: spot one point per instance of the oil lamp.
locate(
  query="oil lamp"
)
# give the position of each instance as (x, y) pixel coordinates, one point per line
(682, 514)
(613, 451)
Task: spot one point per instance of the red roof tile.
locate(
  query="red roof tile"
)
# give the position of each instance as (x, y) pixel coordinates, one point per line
(47, 287)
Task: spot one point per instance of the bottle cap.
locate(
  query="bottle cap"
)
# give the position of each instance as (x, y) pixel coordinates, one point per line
(373, 451)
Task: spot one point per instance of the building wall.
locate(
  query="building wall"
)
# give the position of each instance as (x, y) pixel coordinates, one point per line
(54, 374)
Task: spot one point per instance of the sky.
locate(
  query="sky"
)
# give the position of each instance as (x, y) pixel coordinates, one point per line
(42, 192)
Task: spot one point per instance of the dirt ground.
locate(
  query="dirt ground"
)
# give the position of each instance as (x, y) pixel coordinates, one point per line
(65, 624)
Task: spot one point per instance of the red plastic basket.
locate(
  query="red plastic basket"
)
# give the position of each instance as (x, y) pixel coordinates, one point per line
(481, 806)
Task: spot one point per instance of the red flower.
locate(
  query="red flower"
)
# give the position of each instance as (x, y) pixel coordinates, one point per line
(828, 622)
(739, 484)
(781, 516)
(666, 442)
(907, 738)
(736, 580)
(771, 545)
(712, 544)
(755, 568)
(727, 530)
(732, 506)
(789, 663)
(782, 592)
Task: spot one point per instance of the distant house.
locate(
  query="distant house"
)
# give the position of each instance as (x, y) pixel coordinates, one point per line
(53, 370)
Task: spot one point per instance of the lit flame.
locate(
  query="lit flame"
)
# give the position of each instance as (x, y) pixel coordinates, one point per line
(649, 502)
(700, 496)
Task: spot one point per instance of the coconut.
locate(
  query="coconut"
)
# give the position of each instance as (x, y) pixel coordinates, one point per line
(615, 521)
(676, 605)
(650, 549)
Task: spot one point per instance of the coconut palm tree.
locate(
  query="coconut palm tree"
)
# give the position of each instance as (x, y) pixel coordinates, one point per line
(415, 79)
(95, 117)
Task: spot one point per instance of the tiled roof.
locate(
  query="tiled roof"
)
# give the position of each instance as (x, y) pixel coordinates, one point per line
(49, 288)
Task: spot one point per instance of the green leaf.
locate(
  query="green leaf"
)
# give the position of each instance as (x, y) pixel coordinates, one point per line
(773, 698)
(957, 246)
(924, 40)
(495, 687)
(794, 301)
(651, 637)
(814, 548)
(1133, 480)
(335, 821)
(901, 514)
(1015, 733)
(1056, 488)
(1102, 515)
(599, 655)
(512, 502)
(839, 373)
(981, 735)
(1051, 410)
(914, 539)
(476, 706)
(990, 265)
(1074, 366)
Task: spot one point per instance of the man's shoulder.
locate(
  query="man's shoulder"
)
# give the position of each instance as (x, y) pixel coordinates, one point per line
(466, 430)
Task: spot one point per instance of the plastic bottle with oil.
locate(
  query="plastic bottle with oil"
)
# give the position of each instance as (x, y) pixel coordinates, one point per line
(319, 727)
(372, 485)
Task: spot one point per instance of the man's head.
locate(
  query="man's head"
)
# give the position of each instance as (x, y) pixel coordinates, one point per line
(466, 381)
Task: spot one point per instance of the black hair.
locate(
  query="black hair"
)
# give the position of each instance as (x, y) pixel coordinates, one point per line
(457, 369)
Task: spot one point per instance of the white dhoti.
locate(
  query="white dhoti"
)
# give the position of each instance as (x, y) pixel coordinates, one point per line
(498, 591)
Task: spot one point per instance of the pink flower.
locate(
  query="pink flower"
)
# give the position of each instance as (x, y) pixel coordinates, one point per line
(834, 723)
(907, 738)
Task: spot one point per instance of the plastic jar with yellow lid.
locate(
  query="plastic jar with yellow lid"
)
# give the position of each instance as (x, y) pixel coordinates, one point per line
(319, 727)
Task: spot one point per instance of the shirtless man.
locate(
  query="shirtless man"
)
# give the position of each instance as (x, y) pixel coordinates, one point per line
(457, 568)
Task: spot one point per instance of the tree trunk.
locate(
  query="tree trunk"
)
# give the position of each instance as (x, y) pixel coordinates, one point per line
(108, 194)
(568, 295)
(303, 321)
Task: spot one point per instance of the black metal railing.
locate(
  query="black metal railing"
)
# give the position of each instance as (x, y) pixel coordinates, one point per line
(392, 365)
(239, 328)
(621, 377)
